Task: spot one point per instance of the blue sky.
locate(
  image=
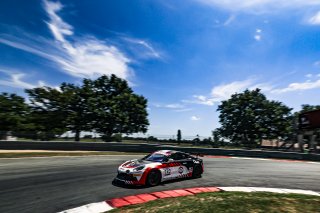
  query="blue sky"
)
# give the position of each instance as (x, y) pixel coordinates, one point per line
(184, 56)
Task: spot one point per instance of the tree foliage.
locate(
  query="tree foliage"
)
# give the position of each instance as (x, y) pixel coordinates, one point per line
(13, 113)
(48, 117)
(179, 136)
(249, 117)
(106, 105)
(115, 108)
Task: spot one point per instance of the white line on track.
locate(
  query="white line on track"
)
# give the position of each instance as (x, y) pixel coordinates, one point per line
(70, 156)
(90, 208)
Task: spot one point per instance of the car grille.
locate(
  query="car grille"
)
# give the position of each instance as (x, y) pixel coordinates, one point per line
(125, 176)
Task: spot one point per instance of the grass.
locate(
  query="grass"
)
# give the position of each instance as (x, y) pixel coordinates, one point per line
(53, 154)
(231, 202)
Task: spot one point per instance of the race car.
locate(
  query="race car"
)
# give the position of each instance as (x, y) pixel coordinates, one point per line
(159, 166)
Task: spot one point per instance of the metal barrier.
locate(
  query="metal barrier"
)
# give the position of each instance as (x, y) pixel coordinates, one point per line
(146, 147)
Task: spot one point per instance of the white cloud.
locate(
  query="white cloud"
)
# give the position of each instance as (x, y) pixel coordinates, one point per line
(15, 80)
(84, 56)
(87, 56)
(150, 53)
(315, 20)
(170, 106)
(260, 6)
(31, 48)
(194, 118)
(224, 91)
(257, 37)
(177, 107)
(307, 85)
(309, 75)
(174, 106)
(58, 27)
(183, 110)
(263, 86)
(201, 99)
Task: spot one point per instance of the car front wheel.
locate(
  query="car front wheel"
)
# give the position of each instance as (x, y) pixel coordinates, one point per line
(154, 178)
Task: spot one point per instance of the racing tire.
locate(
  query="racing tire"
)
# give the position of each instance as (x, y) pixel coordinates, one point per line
(197, 171)
(154, 178)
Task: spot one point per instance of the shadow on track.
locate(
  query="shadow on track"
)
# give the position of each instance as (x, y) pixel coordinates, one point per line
(127, 186)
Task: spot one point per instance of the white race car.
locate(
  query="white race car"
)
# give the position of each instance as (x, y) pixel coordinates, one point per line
(159, 166)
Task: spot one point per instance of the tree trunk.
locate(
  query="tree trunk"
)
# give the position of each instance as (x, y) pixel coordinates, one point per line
(3, 135)
(107, 137)
(77, 135)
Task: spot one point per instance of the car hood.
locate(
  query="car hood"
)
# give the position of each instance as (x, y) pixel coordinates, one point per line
(135, 163)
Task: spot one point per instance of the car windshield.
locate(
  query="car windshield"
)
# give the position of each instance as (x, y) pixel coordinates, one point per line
(155, 157)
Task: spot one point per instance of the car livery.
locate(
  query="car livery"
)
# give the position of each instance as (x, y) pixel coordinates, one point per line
(159, 166)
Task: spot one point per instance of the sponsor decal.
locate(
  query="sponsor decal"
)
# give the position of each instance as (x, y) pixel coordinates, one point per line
(180, 170)
(191, 169)
(167, 171)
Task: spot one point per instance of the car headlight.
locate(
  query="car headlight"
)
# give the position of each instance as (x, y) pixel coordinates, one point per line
(139, 168)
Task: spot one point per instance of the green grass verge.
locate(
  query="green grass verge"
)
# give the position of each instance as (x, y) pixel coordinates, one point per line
(231, 202)
(53, 154)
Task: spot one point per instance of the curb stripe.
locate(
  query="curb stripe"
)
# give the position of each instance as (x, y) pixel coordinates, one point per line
(143, 198)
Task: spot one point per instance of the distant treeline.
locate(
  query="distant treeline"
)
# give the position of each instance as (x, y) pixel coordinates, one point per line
(106, 106)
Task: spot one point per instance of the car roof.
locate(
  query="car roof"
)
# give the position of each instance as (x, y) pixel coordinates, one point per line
(165, 152)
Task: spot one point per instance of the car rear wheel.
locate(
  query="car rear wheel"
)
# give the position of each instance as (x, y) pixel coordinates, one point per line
(154, 178)
(197, 171)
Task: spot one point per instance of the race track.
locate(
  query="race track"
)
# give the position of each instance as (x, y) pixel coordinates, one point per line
(59, 183)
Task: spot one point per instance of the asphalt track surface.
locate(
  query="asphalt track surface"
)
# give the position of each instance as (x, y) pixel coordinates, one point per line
(60, 183)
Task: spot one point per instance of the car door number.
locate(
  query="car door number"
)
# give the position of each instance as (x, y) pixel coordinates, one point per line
(167, 171)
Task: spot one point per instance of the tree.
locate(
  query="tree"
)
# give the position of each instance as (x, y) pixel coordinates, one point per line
(216, 134)
(48, 117)
(13, 112)
(76, 104)
(249, 117)
(179, 136)
(115, 108)
(106, 105)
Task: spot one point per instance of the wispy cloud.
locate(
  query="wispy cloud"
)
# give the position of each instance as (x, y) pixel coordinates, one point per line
(260, 6)
(16, 80)
(183, 110)
(229, 20)
(315, 20)
(86, 56)
(309, 75)
(148, 52)
(201, 99)
(176, 107)
(194, 118)
(170, 106)
(78, 56)
(224, 91)
(307, 85)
